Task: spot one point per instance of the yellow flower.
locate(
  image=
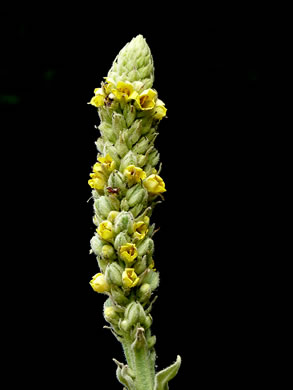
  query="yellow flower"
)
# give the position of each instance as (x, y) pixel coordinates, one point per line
(141, 228)
(128, 253)
(105, 230)
(134, 174)
(108, 85)
(160, 110)
(98, 99)
(124, 91)
(107, 162)
(129, 278)
(97, 181)
(146, 100)
(99, 283)
(154, 184)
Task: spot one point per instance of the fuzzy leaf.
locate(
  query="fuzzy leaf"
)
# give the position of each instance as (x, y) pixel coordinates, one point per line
(163, 377)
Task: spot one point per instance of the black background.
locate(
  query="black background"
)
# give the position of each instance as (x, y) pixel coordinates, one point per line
(209, 77)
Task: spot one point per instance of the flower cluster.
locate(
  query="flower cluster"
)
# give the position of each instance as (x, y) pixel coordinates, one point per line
(125, 186)
(125, 92)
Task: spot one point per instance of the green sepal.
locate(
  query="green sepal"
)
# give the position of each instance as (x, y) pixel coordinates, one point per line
(125, 375)
(163, 377)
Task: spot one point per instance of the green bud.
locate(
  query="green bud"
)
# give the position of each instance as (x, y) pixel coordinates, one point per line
(144, 292)
(147, 122)
(134, 63)
(97, 245)
(151, 341)
(108, 252)
(102, 206)
(132, 313)
(121, 239)
(136, 194)
(133, 134)
(111, 315)
(118, 123)
(110, 149)
(114, 274)
(105, 114)
(128, 159)
(117, 180)
(153, 279)
(154, 158)
(107, 132)
(124, 222)
(118, 295)
(97, 220)
(102, 263)
(140, 264)
(114, 201)
(145, 247)
(124, 205)
(148, 321)
(100, 144)
(129, 113)
(141, 146)
(136, 210)
(121, 146)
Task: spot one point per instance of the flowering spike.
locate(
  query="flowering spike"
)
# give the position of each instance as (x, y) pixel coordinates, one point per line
(126, 187)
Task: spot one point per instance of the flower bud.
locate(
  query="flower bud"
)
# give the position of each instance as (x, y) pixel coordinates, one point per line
(151, 341)
(121, 239)
(148, 321)
(118, 295)
(140, 264)
(128, 159)
(136, 194)
(124, 205)
(114, 201)
(131, 315)
(141, 146)
(105, 230)
(118, 123)
(97, 245)
(107, 132)
(117, 180)
(111, 315)
(121, 146)
(102, 206)
(146, 247)
(136, 210)
(133, 134)
(112, 215)
(144, 292)
(129, 114)
(110, 149)
(114, 274)
(108, 252)
(99, 283)
(154, 158)
(124, 222)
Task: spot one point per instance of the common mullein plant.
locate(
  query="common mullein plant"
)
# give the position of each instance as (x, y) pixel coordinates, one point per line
(126, 185)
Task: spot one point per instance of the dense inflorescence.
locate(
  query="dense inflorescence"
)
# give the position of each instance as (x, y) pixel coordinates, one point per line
(126, 185)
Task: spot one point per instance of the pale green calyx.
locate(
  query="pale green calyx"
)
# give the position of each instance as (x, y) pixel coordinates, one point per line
(126, 187)
(134, 63)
